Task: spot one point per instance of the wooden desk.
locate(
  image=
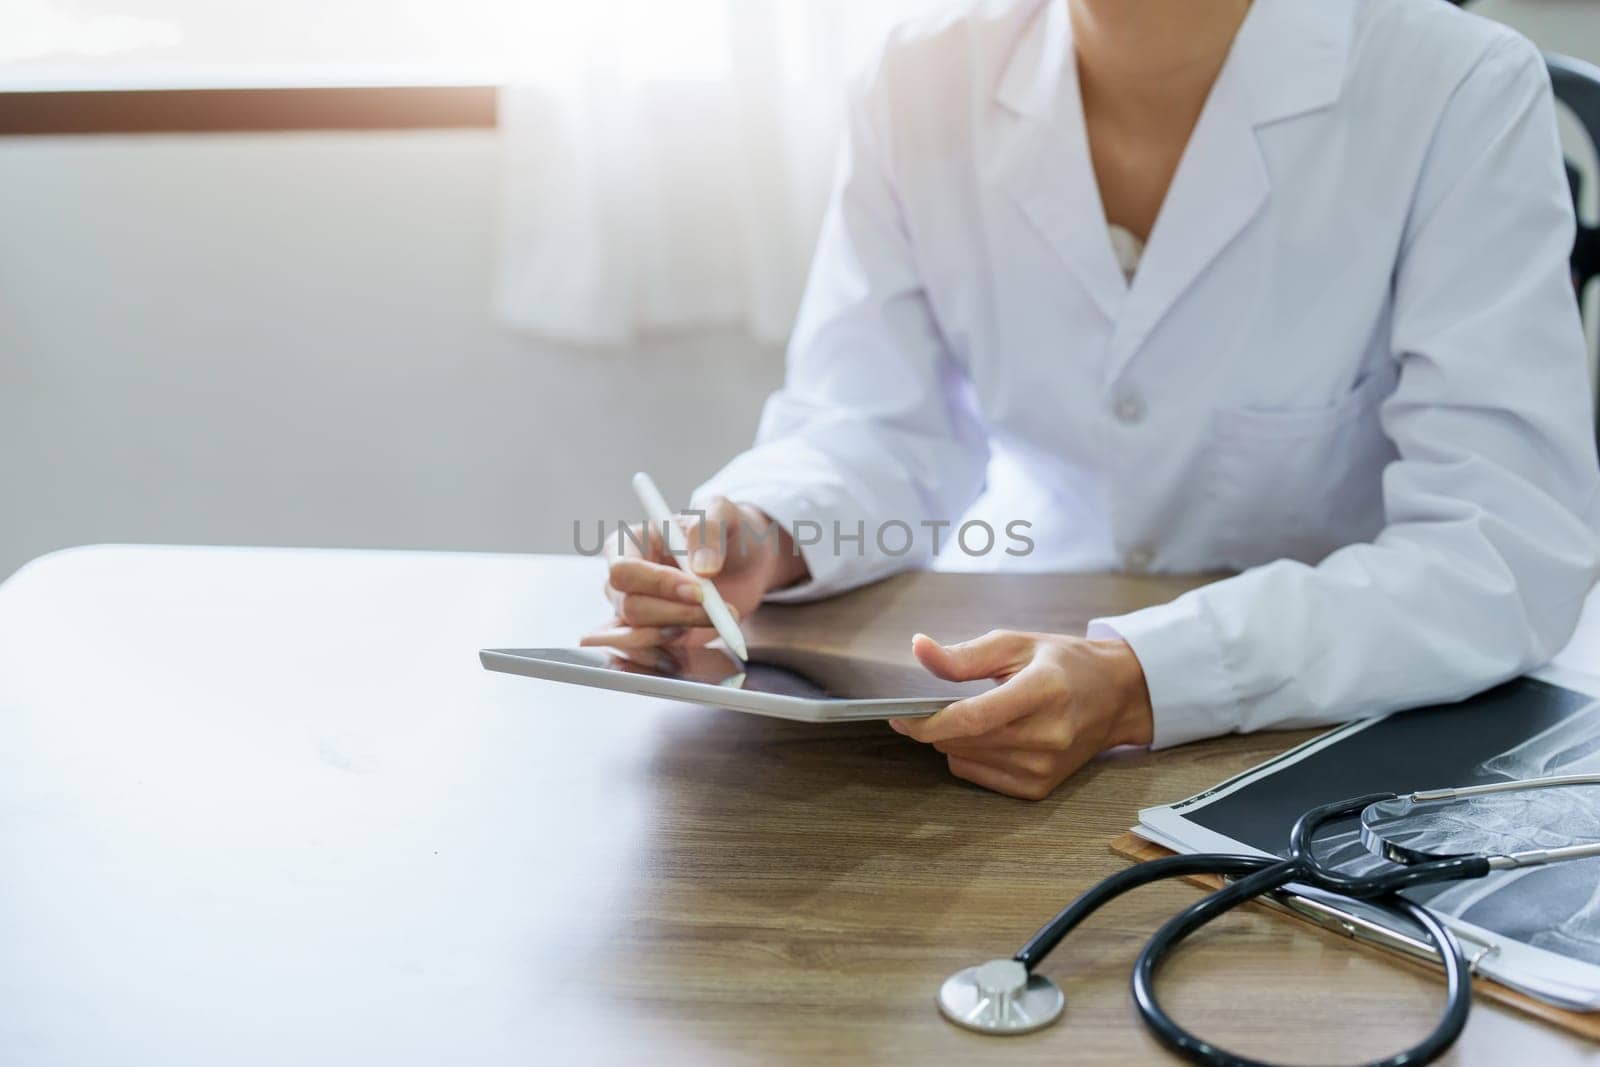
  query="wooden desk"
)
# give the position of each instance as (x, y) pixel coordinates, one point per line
(263, 807)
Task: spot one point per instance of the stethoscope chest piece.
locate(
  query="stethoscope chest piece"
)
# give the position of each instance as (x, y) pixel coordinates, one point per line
(1000, 997)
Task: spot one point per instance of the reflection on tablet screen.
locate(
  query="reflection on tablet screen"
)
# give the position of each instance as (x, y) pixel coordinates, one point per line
(780, 671)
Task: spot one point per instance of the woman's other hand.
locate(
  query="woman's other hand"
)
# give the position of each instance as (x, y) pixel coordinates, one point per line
(656, 599)
(1061, 701)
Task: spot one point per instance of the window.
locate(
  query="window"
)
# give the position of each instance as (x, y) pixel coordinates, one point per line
(167, 44)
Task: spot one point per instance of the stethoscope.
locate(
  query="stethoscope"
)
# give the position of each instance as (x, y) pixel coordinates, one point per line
(1008, 996)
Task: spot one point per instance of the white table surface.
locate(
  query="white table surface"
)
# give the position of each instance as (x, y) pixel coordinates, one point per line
(264, 807)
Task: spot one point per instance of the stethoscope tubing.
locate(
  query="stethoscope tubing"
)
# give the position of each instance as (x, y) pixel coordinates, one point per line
(1049, 936)
(1458, 983)
(1253, 877)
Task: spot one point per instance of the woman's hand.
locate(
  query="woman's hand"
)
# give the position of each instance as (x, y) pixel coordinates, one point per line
(1061, 701)
(657, 602)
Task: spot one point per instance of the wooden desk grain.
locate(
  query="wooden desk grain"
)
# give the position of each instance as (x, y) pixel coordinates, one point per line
(287, 820)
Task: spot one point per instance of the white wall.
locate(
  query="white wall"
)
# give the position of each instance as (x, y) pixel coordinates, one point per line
(1568, 26)
(287, 339)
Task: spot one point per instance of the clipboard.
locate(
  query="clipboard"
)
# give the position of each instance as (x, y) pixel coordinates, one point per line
(1377, 939)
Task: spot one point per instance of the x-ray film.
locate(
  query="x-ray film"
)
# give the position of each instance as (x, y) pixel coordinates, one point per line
(1537, 930)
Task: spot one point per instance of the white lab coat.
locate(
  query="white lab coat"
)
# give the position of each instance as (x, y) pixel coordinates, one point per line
(1349, 364)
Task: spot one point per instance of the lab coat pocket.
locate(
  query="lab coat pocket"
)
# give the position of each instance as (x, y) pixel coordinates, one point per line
(1299, 482)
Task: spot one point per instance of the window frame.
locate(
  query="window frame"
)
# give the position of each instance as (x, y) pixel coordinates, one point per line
(246, 110)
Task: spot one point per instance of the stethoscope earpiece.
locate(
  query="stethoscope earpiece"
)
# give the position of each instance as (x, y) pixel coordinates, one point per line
(1000, 997)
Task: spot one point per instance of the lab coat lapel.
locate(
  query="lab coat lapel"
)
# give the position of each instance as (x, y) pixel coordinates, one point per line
(1045, 164)
(1288, 59)
(1220, 186)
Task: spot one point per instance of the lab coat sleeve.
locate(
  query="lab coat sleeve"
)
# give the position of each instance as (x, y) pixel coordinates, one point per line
(874, 432)
(1489, 545)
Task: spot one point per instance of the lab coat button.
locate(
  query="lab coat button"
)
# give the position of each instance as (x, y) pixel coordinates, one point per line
(1139, 559)
(1129, 408)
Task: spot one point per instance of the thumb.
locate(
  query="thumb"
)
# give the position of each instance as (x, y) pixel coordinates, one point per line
(706, 534)
(996, 654)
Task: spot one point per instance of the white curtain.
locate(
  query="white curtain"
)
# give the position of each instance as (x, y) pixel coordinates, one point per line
(667, 162)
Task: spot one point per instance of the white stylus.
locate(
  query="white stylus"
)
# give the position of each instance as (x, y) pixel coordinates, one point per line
(655, 506)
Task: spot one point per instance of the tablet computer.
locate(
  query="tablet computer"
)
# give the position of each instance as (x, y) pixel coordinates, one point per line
(783, 683)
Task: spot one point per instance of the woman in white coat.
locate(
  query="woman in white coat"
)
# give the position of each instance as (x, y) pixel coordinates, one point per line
(1278, 287)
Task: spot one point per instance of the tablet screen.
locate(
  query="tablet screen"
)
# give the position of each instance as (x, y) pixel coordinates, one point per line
(781, 672)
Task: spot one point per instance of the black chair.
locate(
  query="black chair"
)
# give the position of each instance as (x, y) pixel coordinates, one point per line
(1577, 85)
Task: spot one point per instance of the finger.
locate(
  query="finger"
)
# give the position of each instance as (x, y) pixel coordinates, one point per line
(1025, 693)
(639, 541)
(635, 575)
(1000, 780)
(627, 637)
(639, 610)
(671, 638)
(652, 661)
(997, 654)
(707, 535)
(1024, 762)
(1042, 729)
(696, 637)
